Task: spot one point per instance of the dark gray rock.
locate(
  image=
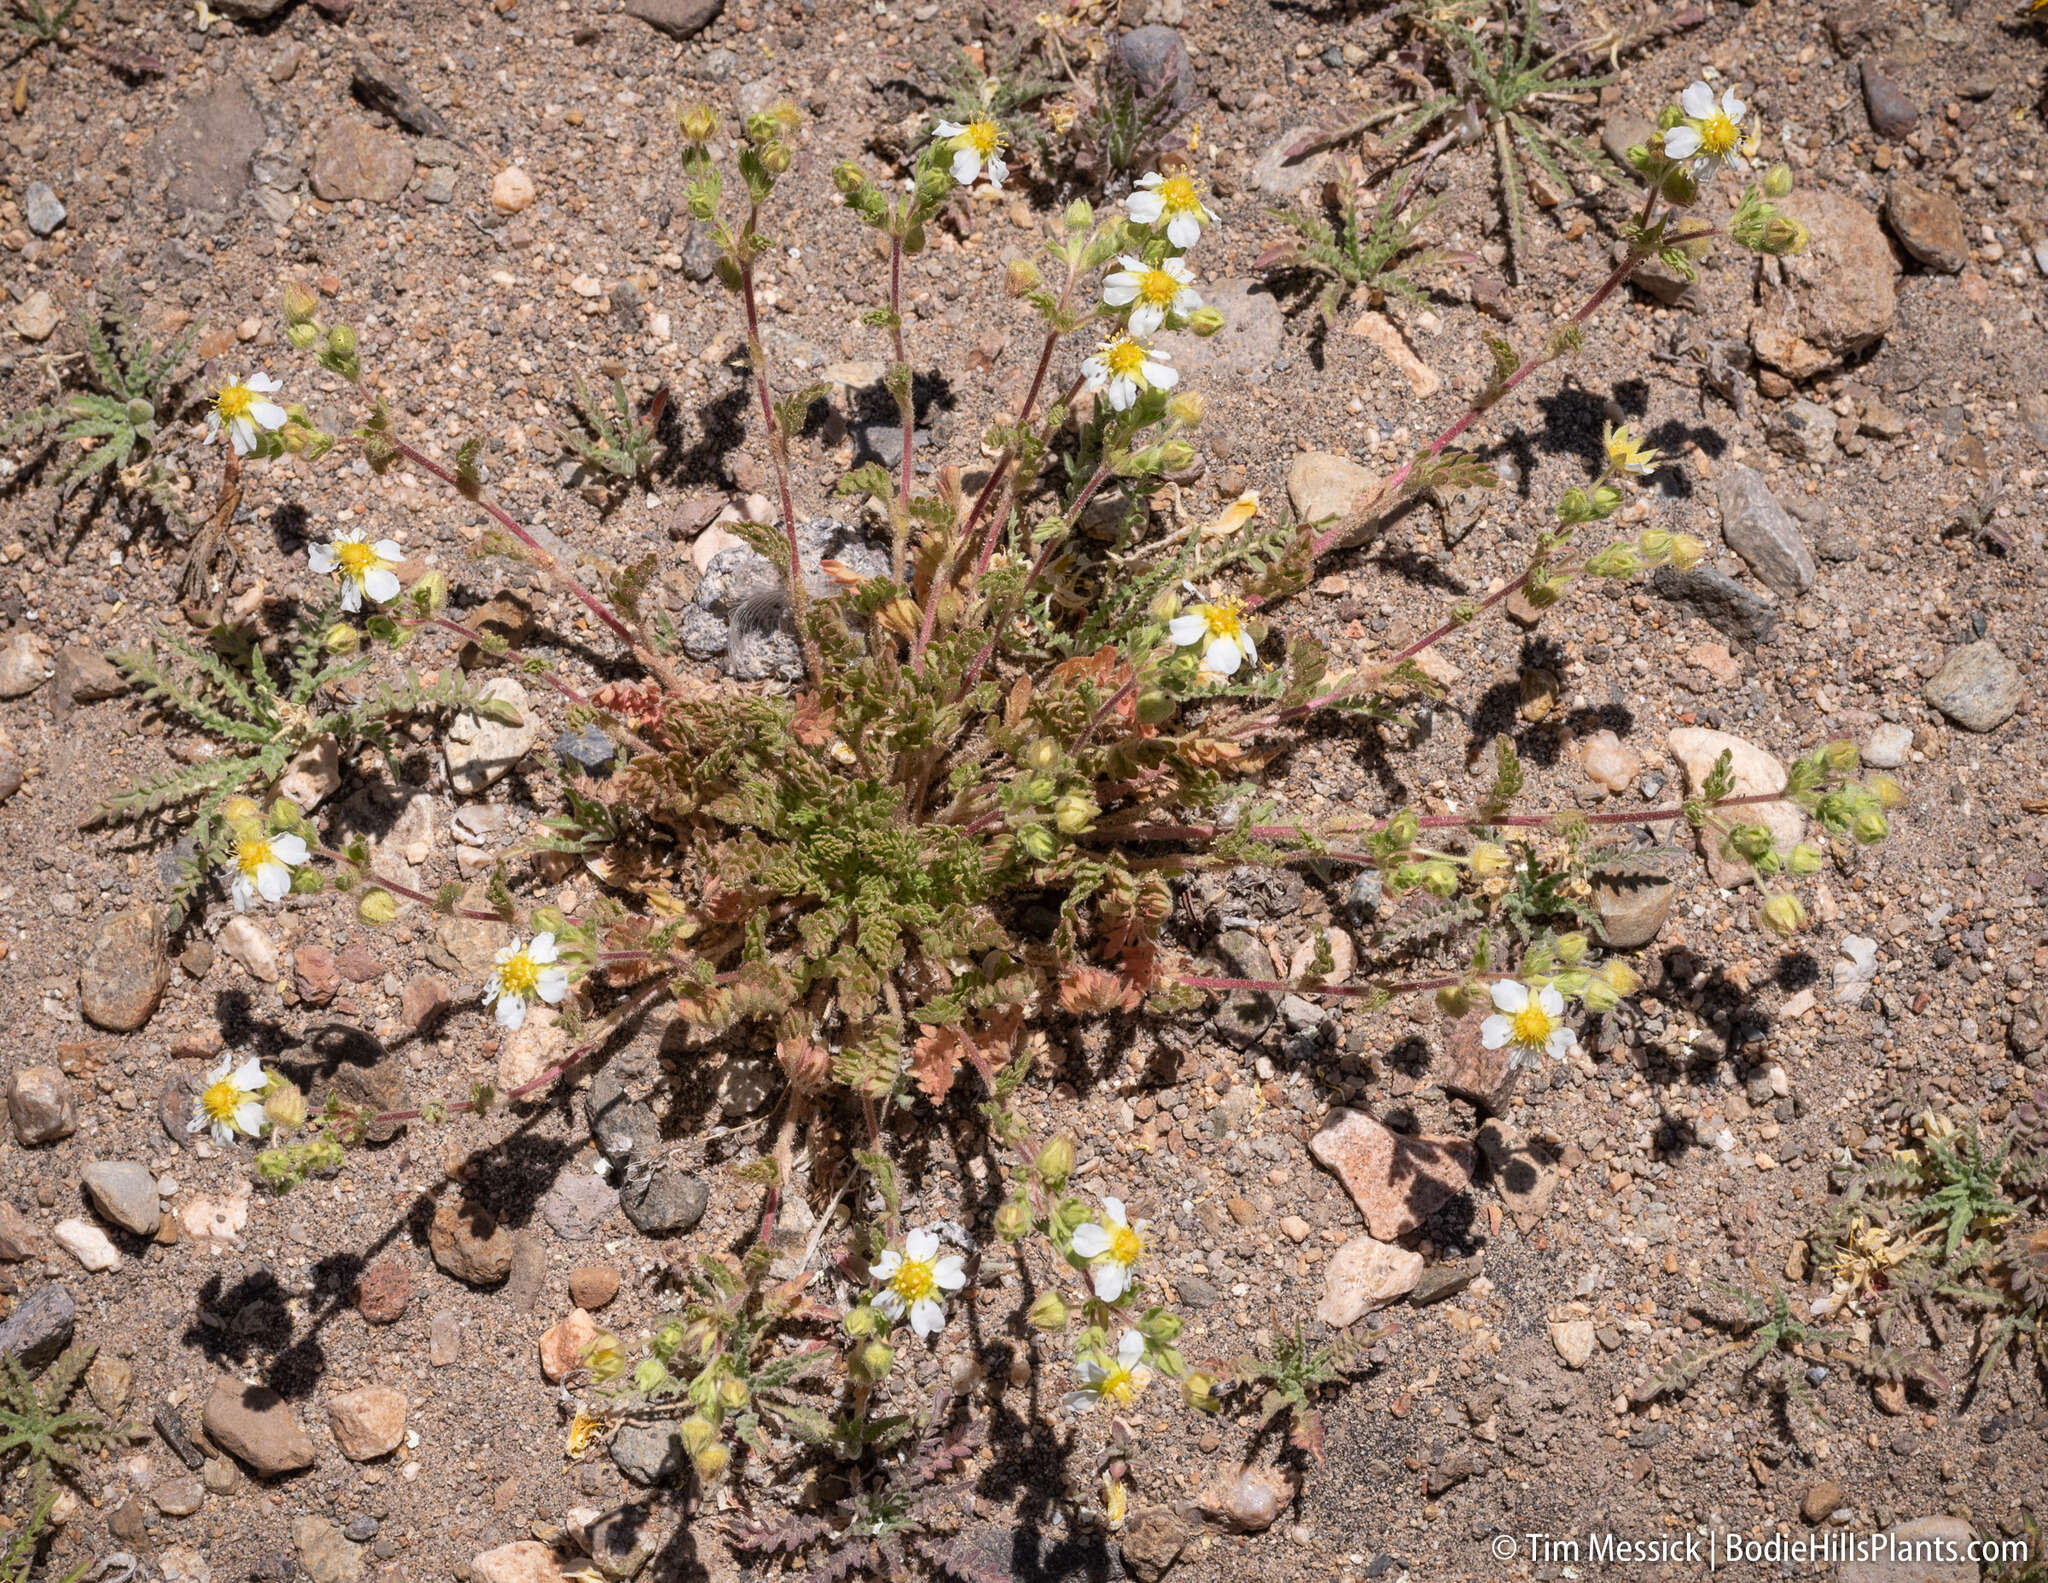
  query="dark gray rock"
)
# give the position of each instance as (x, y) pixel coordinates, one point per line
(589, 749)
(42, 208)
(740, 616)
(649, 1453)
(664, 1201)
(379, 86)
(623, 1129)
(124, 1192)
(1158, 63)
(39, 1328)
(1977, 687)
(1720, 601)
(1763, 533)
(1892, 114)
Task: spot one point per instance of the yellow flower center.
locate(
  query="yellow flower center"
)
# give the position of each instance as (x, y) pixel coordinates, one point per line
(1124, 359)
(1119, 1385)
(251, 853)
(221, 1100)
(914, 1280)
(1124, 1246)
(984, 137)
(234, 401)
(1158, 287)
(1532, 1024)
(1225, 620)
(1718, 135)
(1177, 195)
(520, 976)
(356, 558)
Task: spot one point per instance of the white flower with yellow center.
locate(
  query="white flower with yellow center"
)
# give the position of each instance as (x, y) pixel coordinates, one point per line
(263, 866)
(243, 407)
(1112, 1246)
(1117, 1381)
(1532, 1021)
(1219, 627)
(365, 567)
(917, 1282)
(977, 147)
(1710, 134)
(1174, 200)
(524, 973)
(1150, 291)
(229, 1105)
(1124, 368)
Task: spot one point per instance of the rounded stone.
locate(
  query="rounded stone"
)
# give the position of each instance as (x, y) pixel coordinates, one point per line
(125, 971)
(42, 1105)
(1977, 687)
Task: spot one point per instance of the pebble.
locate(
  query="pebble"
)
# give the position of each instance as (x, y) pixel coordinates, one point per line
(383, 1290)
(35, 318)
(125, 971)
(219, 1476)
(1892, 114)
(252, 1423)
(1833, 300)
(170, 1424)
(666, 1201)
(39, 1328)
(42, 208)
(562, 1345)
(125, 1193)
(109, 1379)
(379, 85)
(1321, 484)
(1632, 908)
(589, 749)
(13, 770)
(367, 1422)
(355, 160)
(649, 1453)
(1607, 761)
(361, 1528)
(523, 1560)
(1887, 747)
(248, 943)
(1737, 613)
(1152, 1541)
(1363, 1275)
(1573, 1339)
(1250, 1500)
(746, 1086)
(469, 1244)
(86, 1243)
(1397, 1181)
(83, 676)
(324, 1553)
(1274, 175)
(1929, 225)
(577, 1205)
(1805, 431)
(180, 1497)
(42, 1105)
(1821, 1501)
(1977, 687)
(592, 1286)
(1755, 772)
(444, 1339)
(481, 752)
(511, 190)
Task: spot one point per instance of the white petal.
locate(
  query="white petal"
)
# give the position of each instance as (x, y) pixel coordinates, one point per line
(948, 128)
(249, 1075)
(1222, 657)
(997, 170)
(1151, 178)
(241, 892)
(1184, 230)
(1145, 208)
(320, 557)
(1122, 393)
(1561, 1043)
(351, 595)
(1161, 376)
(543, 948)
(1090, 1241)
(1510, 996)
(506, 953)
(223, 1134)
(887, 1302)
(1551, 1001)
(1113, 1208)
(1731, 106)
(1186, 629)
(1681, 142)
(966, 166)
(1251, 653)
(927, 1318)
(1119, 289)
(380, 584)
(922, 1245)
(552, 985)
(1080, 1401)
(288, 849)
(227, 1065)
(1130, 1349)
(1146, 319)
(1095, 372)
(273, 881)
(242, 434)
(885, 1268)
(269, 414)
(264, 382)
(1495, 1032)
(950, 1273)
(212, 427)
(249, 1118)
(388, 550)
(1697, 101)
(511, 1010)
(1109, 1281)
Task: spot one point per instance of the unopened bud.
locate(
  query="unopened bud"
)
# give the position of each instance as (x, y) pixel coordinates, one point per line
(1803, 860)
(1840, 756)
(1889, 792)
(299, 303)
(1453, 1001)
(1049, 1312)
(1055, 1162)
(1784, 915)
(1160, 1327)
(849, 178)
(1042, 754)
(1598, 995)
(1075, 813)
(1206, 320)
(711, 1462)
(697, 122)
(1176, 456)
(1870, 827)
(302, 336)
(1783, 234)
(1620, 977)
(1440, 877)
(1489, 859)
(698, 1434)
(1021, 277)
(877, 1358)
(1013, 1221)
(1778, 181)
(241, 810)
(775, 157)
(1198, 1390)
(1079, 216)
(1402, 829)
(1186, 408)
(376, 907)
(341, 341)
(1687, 551)
(1572, 948)
(285, 1106)
(1155, 708)
(733, 1394)
(1679, 187)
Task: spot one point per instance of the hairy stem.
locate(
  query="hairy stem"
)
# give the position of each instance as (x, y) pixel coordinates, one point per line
(778, 451)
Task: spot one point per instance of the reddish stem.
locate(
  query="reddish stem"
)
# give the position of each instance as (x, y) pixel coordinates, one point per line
(757, 358)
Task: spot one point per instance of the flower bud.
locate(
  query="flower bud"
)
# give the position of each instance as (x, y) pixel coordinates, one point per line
(1620, 977)
(605, 1357)
(1079, 216)
(141, 413)
(1055, 1162)
(1037, 842)
(1490, 860)
(1782, 235)
(700, 1339)
(1185, 407)
(1679, 187)
(1784, 915)
(241, 810)
(806, 1063)
(1013, 1221)
(1021, 277)
(877, 1358)
(1778, 181)
(1176, 456)
(1075, 813)
(1839, 756)
(1804, 860)
(1402, 830)
(1160, 1327)
(1042, 754)
(775, 157)
(1687, 551)
(1889, 792)
(1198, 1390)
(285, 1106)
(1616, 560)
(1405, 877)
(727, 269)
(299, 303)
(697, 122)
(341, 342)
(376, 907)
(1572, 948)
(1440, 877)
(302, 336)
(1048, 1312)
(1155, 708)
(1597, 995)
(733, 1394)
(1206, 320)
(933, 183)
(1655, 545)
(711, 1462)
(1870, 827)
(1453, 1001)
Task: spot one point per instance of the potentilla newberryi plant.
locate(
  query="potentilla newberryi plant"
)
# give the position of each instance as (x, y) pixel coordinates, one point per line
(1050, 692)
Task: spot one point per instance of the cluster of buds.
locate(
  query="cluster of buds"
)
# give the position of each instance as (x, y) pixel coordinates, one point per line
(1047, 799)
(766, 153)
(336, 346)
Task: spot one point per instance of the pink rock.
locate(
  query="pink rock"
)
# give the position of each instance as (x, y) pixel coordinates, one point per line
(522, 1561)
(369, 1422)
(1363, 1275)
(562, 1347)
(1397, 1182)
